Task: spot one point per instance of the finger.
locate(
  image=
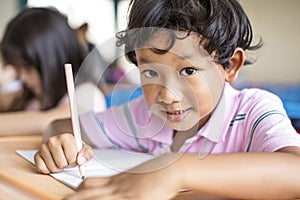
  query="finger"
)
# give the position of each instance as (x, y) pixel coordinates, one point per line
(69, 149)
(46, 156)
(84, 155)
(56, 150)
(40, 164)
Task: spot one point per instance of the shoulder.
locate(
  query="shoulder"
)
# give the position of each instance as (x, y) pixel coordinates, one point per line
(266, 121)
(257, 94)
(261, 108)
(259, 100)
(251, 103)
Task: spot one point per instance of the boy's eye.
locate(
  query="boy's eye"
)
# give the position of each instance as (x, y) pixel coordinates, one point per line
(149, 73)
(188, 71)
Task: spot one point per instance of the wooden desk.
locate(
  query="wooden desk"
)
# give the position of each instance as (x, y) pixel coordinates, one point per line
(20, 180)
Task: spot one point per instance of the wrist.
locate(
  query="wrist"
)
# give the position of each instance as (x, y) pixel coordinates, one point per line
(181, 167)
(188, 174)
(176, 172)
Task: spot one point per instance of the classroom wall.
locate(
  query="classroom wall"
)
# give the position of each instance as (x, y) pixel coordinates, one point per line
(277, 21)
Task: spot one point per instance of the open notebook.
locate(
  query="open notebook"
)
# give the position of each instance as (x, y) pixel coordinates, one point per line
(106, 162)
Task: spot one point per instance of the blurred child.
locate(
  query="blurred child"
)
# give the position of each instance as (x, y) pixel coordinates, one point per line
(37, 43)
(210, 137)
(9, 86)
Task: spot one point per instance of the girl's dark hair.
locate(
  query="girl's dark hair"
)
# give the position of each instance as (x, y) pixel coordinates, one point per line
(42, 38)
(221, 24)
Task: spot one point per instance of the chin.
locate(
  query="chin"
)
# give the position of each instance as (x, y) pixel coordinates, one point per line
(181, 126)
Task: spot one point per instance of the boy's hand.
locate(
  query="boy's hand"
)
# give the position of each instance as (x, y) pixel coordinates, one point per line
(155, 179)
(59, 152)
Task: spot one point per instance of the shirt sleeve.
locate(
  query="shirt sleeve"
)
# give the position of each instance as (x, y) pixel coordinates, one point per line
(116, 127)
(94, 130)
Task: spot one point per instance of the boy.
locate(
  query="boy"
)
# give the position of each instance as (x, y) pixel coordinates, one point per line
(187, 52)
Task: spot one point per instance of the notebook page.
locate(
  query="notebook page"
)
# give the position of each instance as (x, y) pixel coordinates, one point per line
(106, 162)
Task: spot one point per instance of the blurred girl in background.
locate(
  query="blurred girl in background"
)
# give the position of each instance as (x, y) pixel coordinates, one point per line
(36, 44)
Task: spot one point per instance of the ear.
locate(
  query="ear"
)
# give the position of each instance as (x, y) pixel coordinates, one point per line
(235, 64)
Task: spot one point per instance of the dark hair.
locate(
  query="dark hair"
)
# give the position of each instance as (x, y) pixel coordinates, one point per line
(221, 24)
(42, 38)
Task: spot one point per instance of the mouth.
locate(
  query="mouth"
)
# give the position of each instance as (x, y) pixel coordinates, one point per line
(176, 116)
(176, 112)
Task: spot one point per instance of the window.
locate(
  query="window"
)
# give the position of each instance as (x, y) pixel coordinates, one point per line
(99, 14)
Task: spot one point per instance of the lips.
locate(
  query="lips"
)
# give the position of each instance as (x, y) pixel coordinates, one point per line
(176, 116)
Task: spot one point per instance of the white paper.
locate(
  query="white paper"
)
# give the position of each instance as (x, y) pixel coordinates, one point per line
(106, 162)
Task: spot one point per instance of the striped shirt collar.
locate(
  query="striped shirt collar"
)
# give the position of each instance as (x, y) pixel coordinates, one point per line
(217, 126)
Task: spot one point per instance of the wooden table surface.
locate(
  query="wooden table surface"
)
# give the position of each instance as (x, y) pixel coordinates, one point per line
(19, 179)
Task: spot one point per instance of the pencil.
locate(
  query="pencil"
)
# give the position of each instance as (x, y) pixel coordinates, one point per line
(74, 113)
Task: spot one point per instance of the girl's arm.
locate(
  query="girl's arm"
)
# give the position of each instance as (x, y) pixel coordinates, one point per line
(89, 98)
(30, 122)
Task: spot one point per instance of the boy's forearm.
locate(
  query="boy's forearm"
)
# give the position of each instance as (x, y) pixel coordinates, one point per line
(242, 175)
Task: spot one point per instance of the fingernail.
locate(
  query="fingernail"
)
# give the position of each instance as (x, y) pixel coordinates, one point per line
(81, 160)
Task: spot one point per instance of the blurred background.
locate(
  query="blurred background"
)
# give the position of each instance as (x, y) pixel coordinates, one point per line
(275, 21)
(103, 16)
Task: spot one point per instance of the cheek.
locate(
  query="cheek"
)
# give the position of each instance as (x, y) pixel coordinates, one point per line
(206, 90)
(201, 96)
(213, 80)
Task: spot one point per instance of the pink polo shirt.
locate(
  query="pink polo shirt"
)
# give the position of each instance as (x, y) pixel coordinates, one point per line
(250, 120)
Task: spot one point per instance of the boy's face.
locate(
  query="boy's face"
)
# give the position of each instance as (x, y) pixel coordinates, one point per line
(182, 86)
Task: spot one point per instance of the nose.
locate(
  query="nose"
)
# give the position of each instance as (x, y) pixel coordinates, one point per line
(169, 95)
